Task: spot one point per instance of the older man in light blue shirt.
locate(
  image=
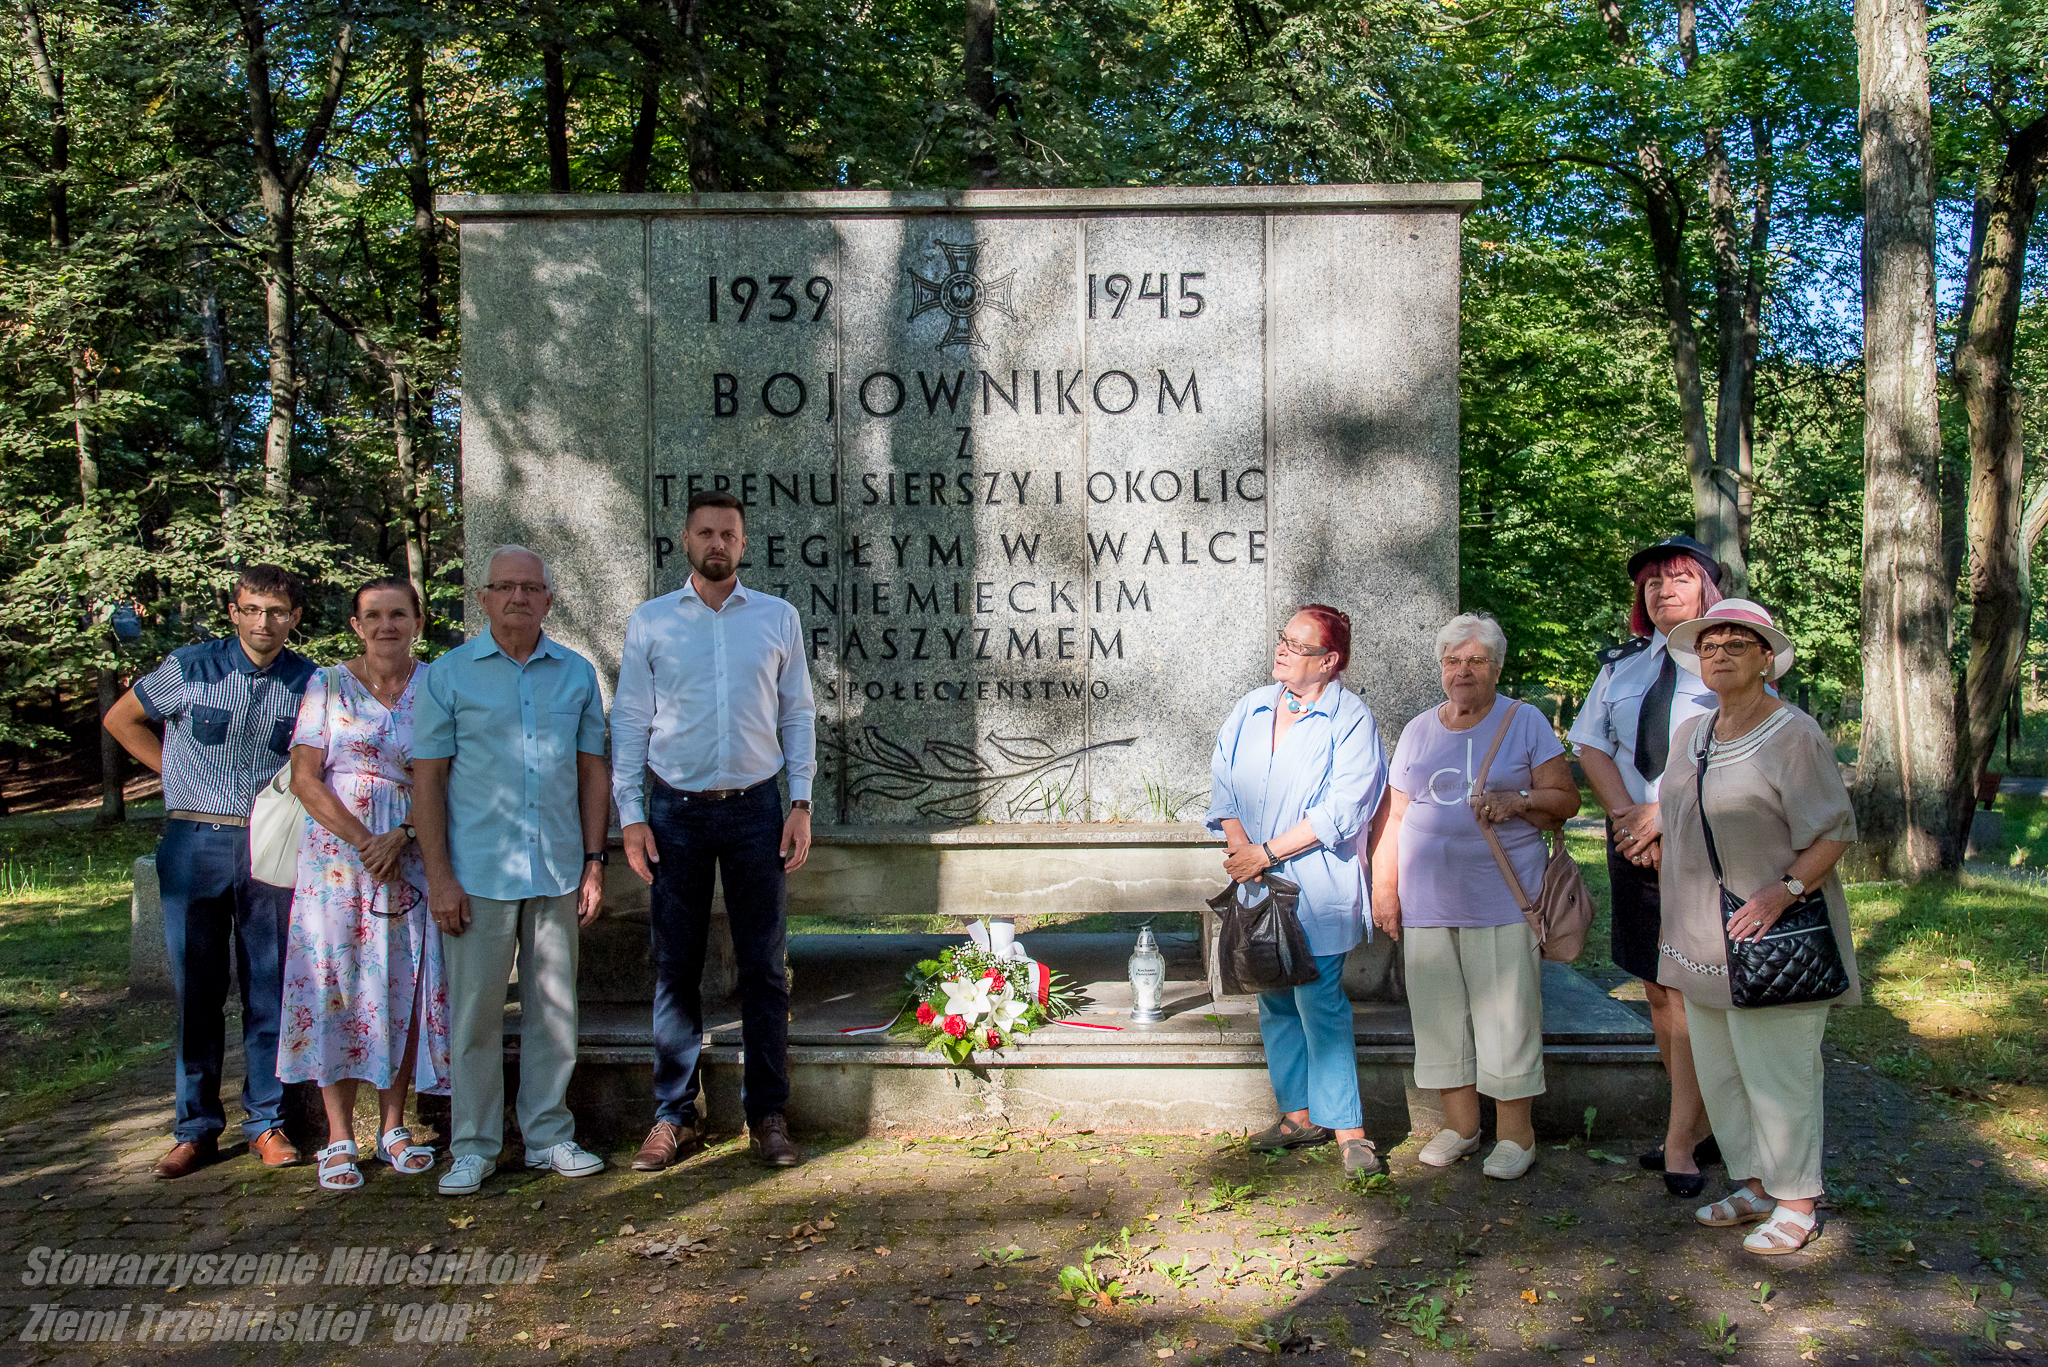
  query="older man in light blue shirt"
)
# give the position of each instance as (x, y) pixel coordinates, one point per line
(511, 806)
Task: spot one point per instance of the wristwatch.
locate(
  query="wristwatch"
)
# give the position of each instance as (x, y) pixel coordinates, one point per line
(803, 802)
(1271, 858)
(1794, 886)
(597, 857)
(410, 833)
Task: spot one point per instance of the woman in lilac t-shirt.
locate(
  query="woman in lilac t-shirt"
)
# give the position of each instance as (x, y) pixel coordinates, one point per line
(1473, 966)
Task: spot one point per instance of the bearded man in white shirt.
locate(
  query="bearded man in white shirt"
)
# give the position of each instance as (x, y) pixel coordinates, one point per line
(714, 701)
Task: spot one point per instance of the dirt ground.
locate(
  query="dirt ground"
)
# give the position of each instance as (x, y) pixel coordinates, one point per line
(949, 1250)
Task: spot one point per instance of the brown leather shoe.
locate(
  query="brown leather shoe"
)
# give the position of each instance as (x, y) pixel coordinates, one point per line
(274, 1149)
(187, 1157)
(666, 1142)
(768, 1140)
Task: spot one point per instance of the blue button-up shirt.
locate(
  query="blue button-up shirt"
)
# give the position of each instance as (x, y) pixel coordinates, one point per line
(513, 732)
(1331, 771)
(227, 724)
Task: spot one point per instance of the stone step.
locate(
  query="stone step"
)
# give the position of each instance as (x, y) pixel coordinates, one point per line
(1185, 1073)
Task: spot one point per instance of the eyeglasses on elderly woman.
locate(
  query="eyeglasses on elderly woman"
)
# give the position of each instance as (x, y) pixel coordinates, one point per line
(1288, 646)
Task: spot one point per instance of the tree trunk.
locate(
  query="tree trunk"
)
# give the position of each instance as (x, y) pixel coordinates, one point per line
(1752, 322)
(978, 44)
(640, 155)
(693, 99)
(406, 413)
(278, 183)
(557, 92)
(1983, 376)
(1715, 520)
(84, 389)
(1907, 765)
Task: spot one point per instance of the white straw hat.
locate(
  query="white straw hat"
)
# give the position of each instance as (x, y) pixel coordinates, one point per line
(1731, 612)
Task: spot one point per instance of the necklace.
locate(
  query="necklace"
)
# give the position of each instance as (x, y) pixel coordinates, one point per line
(1294, 702)
(386, 694)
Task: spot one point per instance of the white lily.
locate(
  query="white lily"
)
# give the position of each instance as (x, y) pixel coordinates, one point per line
(968, 1001)
(1008, 1014)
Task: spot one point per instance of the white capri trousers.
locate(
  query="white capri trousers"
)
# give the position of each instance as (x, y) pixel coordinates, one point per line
(1475, 996)
(1760, 1071)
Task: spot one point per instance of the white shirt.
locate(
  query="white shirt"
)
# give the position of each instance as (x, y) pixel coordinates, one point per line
(712, 699)
(1613, 709)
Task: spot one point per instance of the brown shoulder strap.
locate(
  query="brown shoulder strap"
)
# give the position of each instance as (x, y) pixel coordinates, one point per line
(1500, 856)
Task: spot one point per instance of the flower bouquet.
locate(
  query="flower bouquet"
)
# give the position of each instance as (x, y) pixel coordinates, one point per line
(969, 999)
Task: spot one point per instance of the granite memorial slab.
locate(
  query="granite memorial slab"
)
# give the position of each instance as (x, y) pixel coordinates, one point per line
(1044, 472)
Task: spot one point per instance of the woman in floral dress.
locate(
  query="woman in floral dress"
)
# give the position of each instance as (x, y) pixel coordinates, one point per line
(365, 999)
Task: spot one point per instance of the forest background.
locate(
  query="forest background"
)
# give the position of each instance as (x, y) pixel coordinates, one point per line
(227, 310)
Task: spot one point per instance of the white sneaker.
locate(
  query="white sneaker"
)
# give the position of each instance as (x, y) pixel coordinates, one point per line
(566, 1159)
(1508, 1160)
(465, 1175)
(1446, 1147)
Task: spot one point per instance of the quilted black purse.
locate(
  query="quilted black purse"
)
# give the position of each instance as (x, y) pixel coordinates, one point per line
(1797, 959)
(1263, 947)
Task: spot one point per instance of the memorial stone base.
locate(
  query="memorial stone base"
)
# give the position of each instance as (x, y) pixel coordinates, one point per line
(1202, 1068)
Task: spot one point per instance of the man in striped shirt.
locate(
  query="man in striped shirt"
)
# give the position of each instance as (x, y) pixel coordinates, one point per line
(227, 708)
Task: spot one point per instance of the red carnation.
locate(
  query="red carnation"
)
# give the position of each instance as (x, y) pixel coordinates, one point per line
(995, 1041)
(925, 1014)
(953, 1026)
(995, 981)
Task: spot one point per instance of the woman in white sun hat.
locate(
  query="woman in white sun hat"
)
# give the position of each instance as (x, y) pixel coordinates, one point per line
(1778, 818)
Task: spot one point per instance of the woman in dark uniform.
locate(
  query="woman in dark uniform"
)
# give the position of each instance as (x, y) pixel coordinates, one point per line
(1623, 738)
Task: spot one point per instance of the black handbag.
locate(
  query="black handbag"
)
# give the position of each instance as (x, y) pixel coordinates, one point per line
(1262, 947)
(1797, 959)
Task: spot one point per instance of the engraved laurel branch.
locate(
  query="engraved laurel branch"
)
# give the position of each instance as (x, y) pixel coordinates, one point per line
(955, 782)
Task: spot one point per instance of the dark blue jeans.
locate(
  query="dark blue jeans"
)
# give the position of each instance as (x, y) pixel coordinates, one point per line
(741, 840)
(202, 871)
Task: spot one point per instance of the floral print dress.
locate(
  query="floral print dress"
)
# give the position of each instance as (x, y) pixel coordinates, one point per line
(360, 951)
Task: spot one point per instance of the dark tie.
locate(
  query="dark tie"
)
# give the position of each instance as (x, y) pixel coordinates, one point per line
(1653, 723)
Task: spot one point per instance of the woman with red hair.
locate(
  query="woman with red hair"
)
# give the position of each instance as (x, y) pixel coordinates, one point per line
(1623, 738)
(1296, 778)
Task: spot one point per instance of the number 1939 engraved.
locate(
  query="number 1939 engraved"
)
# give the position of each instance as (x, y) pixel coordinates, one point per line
(782, 306)
(1117, 289)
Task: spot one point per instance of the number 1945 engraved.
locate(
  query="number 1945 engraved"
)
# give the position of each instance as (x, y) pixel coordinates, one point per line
(1117, 289)
(782, 306)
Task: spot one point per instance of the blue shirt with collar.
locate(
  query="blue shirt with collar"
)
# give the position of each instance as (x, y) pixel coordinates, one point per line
(227, 724)
(1331, 771)
(513, 732)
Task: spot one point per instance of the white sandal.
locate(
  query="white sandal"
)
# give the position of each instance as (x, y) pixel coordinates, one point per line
(347, 1176)
(1739, 1207)
(411, 1160)
(1786, 1231)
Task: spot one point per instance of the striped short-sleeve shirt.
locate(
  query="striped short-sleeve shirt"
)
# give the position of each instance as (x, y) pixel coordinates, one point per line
(227, 724)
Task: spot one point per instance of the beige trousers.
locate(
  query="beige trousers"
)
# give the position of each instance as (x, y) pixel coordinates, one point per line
(543, 932)
(1760, 1072)
(1475, 999)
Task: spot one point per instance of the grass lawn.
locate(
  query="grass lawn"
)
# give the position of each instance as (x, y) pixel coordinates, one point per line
(66, 1022)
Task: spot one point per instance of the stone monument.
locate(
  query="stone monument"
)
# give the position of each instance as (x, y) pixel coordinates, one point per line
(1044, 472)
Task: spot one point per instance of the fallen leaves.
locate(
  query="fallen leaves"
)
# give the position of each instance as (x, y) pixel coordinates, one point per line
(462, 1221)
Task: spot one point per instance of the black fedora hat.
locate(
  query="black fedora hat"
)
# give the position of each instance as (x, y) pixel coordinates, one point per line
(1677, 545)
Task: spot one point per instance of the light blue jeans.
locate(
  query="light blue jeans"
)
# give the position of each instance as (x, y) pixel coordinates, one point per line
(1311, 1052)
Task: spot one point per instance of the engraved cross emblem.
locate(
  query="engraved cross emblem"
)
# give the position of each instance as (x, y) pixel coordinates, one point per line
(961, 294)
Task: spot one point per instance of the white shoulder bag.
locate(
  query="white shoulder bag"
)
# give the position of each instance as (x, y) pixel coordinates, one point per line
(278, 819)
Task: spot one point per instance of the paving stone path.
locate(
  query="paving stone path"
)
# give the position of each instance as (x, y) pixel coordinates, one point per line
(948, 1250)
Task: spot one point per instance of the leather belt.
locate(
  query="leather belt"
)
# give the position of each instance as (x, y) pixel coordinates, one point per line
(207, 818)
(716, 794)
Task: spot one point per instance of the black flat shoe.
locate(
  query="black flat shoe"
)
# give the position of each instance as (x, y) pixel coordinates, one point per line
(1705, 1154)
(1687, 1184)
